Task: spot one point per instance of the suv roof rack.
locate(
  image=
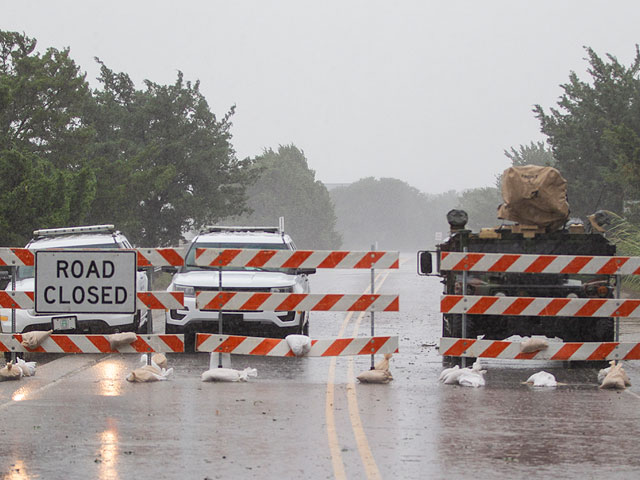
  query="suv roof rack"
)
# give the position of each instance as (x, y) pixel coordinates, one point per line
(214, 229)
(52, 232)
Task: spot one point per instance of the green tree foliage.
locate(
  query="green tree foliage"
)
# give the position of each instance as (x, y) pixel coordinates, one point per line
(286, 187)
(481, 204)
(391, 213)
(43, 140)
(535, 154)
(594, 134)
(165, 163)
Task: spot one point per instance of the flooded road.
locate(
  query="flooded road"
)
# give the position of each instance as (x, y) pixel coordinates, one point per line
(310, 418)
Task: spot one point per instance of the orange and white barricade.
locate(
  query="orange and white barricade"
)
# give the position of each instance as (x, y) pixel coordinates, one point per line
(539, 306)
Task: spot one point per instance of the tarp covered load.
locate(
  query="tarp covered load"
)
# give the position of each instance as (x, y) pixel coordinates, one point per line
(534, 195)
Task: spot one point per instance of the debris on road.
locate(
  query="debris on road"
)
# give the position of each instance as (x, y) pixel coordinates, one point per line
(542, 379)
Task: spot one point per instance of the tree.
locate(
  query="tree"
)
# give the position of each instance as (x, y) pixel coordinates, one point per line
(286, 187)
(481, 204)
(164, 162)
(44, 179)
(594, 134)
(534, 154)
(391, 213)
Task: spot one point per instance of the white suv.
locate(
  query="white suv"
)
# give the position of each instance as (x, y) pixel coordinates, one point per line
(95, 236)
(192, 278)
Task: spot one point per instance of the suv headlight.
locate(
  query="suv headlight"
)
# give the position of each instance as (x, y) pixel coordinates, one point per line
(188, 290)
(282, 290)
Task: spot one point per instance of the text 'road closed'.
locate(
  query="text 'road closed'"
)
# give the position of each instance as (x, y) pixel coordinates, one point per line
(85, 281)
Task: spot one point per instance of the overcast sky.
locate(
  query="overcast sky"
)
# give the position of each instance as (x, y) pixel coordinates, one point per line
(428, 92)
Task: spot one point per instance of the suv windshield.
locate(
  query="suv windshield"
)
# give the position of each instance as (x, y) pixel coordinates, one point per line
(190, 262)
(29, 272)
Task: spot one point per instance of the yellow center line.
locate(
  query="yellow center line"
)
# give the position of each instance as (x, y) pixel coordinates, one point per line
(332, 434)
(368, 462)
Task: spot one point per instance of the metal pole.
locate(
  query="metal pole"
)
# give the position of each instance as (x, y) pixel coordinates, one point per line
(617, 327)
(464, 315)
(150, 312)
(220, 314)
(373, 248)
(13, 310)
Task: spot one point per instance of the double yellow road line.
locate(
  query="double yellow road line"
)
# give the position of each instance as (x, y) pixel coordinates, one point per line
(368, 462)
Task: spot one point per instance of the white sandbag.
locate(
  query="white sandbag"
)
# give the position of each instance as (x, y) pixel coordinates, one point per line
(453, 376)
(300, 345)
(32, 340)
(10, 372)
(468, 377)
(375, 376)
(384, 363)
(228, 375)
(28, 368)
(534, 344)
(149, 373)
(542, 379)
(446, 372)
(471, 378)
(118, 340)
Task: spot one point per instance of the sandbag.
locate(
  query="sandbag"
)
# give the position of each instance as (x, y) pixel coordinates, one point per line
(32, 340)
(384, 363)
(159, 359)
(467, 377)
(471, 378)
(535, 344)
(534, 195)
(446, 372)
(300, 345)
(118, 340)
(28, 368)
(10, 372)
(542, 379)
(615, 377)
(149, 373)
(228, 375)
(375, 376)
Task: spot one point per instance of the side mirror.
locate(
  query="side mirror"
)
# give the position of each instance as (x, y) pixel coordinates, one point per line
(306, 271)
(425, 263)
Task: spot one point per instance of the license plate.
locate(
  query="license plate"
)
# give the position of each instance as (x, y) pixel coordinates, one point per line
(64, 323)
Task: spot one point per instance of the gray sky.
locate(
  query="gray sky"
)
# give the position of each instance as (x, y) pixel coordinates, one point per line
(427, 92)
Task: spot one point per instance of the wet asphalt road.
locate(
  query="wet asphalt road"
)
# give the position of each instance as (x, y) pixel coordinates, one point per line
(309, 418)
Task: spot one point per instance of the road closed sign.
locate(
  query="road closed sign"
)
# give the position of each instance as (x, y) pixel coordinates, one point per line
(83, 281)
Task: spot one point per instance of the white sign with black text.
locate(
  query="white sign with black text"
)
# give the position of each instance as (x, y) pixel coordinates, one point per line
(83, 281)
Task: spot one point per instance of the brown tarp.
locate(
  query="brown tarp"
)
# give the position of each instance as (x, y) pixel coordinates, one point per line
(534, 195)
